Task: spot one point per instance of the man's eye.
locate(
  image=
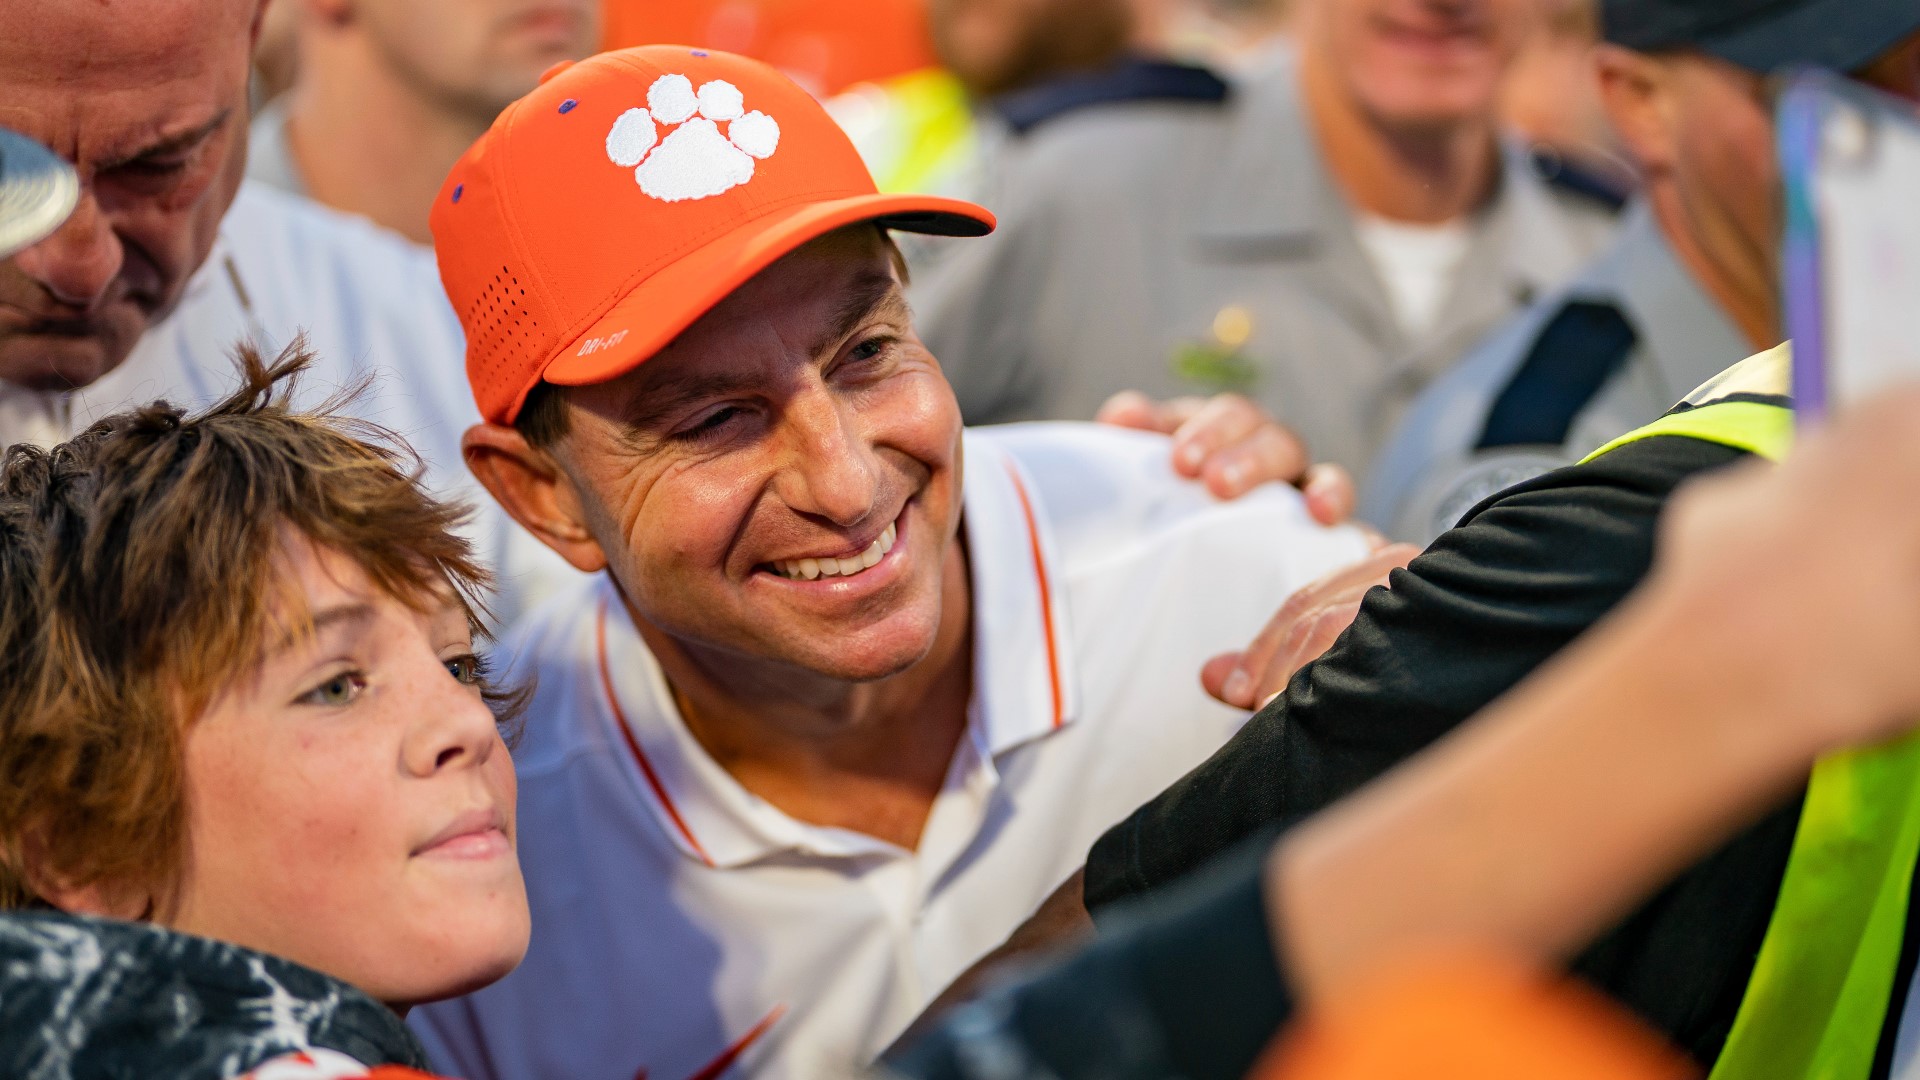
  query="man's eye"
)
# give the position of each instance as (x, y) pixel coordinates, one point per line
(711, 424)
(469, 669)
(165, 168)
(340, 690)
(869, 349)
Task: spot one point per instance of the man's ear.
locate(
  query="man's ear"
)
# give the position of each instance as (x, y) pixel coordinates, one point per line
(1637, 92)
(530, 484)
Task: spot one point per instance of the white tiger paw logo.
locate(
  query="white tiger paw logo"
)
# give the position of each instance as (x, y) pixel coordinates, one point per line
(695, 160)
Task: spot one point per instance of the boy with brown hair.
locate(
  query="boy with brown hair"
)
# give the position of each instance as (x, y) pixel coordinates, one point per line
(239, 701)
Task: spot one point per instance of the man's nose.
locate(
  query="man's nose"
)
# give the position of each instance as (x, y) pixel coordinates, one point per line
(834, 472)
(80, 260)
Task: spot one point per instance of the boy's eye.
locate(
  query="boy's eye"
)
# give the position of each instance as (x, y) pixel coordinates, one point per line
(340, 690)
(469, 670)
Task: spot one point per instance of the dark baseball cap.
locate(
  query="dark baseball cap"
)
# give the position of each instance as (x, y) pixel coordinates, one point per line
(1763, 35)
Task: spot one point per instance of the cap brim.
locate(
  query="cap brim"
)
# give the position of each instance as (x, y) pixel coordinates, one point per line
(643, 321)
(1843, 35)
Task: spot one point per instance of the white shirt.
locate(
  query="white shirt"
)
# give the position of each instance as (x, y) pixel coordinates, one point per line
(369, 302)
(678, 918)
(1416, 263)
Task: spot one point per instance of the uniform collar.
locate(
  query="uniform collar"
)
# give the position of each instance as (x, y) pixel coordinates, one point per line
(1024, 686)
(1684, 334)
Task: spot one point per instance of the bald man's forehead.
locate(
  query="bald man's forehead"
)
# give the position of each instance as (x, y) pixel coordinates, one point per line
(116, 42)
(101, 81)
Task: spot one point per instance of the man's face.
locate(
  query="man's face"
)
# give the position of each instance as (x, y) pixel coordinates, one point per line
(995, 46)
(1712, 139)
(1413, 64)
(478, 56)
(782, 481)
(1722, 165)
(148, 100)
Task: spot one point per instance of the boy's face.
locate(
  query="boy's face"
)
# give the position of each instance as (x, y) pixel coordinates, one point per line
(783, 480)
(351, 804)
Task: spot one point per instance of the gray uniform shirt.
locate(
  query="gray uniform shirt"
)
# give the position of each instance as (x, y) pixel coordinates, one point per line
(1185, 247)
(1671, 337)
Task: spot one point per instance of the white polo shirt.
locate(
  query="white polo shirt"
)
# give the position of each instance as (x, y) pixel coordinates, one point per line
(683, 926)
(369, 302)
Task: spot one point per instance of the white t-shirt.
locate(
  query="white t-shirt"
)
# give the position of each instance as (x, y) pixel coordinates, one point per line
(1416, 263)
(679, 919)
(369, 302)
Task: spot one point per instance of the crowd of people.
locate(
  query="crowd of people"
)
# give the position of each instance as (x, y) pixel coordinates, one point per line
(518, 561)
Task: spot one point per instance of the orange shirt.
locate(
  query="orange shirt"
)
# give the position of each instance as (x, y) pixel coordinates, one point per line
(826, 45)
(1471, 1019)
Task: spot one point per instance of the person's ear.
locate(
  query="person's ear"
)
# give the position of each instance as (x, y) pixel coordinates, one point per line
(96, 899)
(258, 23)
(530, 485)
(330, 13)
(1637, 92)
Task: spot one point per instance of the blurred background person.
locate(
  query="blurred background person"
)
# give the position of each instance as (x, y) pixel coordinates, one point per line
(386, 94)
(1552, 100)
(1689, 285)
(274, 54)
(1326, 235)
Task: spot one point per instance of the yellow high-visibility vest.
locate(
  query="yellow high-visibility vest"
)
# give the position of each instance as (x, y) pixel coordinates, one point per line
(1823, 981)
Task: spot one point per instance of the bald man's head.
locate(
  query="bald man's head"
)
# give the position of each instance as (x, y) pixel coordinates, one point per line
(148, 100)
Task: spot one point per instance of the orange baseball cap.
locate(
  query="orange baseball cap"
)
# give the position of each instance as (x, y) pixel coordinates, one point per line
(605, 212)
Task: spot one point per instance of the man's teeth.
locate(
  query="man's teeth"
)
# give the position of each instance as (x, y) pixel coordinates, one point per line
(809, 569)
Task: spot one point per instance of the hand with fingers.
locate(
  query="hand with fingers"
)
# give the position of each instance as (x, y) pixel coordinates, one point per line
(1304, 627)
(1234, 446)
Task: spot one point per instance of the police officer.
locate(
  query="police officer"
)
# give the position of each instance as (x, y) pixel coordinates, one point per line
(1688, 285)
(1326, 235)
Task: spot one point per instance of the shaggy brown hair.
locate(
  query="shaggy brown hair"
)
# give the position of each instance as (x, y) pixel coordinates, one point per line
(138, 579)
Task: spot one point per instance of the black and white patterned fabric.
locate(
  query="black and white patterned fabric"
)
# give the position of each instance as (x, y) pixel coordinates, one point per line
(94, 999)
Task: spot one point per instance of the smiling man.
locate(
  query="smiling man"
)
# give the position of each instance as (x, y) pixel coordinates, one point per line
(857, 686)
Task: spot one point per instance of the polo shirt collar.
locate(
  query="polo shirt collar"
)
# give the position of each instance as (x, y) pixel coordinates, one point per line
(1024, 686)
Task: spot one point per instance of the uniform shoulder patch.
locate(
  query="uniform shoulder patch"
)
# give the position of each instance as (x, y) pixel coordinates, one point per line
(1580, 181)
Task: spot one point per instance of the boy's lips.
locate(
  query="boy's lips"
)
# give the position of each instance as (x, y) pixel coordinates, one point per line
(475, 834)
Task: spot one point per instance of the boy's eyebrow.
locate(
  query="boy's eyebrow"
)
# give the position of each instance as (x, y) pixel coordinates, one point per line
(342, 614)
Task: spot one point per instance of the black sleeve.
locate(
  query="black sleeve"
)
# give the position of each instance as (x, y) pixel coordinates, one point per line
(1526, 573)
(1182, 983)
